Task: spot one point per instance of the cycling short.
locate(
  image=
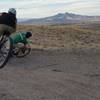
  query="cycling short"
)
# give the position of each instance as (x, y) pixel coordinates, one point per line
(7, 28)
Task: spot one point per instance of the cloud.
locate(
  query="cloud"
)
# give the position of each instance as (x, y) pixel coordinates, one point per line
(43, 8)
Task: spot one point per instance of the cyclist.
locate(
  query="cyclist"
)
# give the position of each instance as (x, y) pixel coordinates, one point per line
(8, 21)
(20, 37)
(20, 40)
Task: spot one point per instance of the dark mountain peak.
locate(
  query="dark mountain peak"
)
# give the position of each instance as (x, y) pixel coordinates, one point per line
(69, 13)
(63, 14)
(60, 14)
(67, 16)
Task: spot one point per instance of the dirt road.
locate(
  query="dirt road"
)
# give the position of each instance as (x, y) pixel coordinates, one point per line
(52, 75)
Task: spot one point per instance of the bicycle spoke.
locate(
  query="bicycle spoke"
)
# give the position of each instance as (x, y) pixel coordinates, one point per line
(2, 59)
(4, 51)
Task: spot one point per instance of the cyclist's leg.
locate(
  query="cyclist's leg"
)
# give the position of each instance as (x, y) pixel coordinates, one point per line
(1, 30)
(7, 28)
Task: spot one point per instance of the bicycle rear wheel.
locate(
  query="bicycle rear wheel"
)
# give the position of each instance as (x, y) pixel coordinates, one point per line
(21, 51)
(5, 51)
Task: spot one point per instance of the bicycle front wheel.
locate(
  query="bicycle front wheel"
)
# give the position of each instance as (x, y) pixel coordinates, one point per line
(5, 51)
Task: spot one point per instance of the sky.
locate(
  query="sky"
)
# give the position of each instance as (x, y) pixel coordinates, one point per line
(44, 8)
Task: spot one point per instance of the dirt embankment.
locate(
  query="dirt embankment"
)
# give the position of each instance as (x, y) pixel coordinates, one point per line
(64, 36)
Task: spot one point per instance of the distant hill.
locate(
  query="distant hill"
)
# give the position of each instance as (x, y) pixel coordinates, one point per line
(60, 18)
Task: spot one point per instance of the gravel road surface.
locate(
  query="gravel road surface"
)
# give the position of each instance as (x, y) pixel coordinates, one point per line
(52, 75)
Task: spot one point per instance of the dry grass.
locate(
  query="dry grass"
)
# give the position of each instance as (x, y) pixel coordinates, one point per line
(63, 36)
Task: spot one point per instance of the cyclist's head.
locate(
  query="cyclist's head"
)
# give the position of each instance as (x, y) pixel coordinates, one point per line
(28, 34)
(12, 10)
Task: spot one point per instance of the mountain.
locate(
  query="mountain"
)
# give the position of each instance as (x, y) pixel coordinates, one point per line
(61, 18)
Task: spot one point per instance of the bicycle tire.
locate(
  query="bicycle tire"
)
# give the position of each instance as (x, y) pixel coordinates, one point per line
(21, 51)
(21, 55)
(24, 54)
(6, 39)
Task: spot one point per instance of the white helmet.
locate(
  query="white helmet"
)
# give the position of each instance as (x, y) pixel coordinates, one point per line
(12, 10)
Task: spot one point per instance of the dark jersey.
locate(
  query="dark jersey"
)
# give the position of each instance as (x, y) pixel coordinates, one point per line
(8, 19)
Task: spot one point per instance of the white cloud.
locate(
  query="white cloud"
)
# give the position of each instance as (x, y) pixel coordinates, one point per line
(43, 8)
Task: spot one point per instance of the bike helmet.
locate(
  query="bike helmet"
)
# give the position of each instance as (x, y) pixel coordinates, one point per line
(28, 34)
(12, 10)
